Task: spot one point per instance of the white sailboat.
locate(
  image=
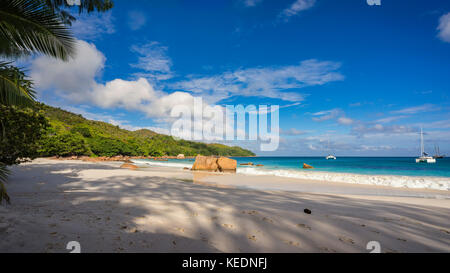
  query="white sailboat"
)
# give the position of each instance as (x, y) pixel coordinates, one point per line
(330, 156)
(424, 157)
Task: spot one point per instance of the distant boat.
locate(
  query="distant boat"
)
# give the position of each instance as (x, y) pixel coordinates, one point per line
(437, 153)
(330, 156)
(424, 157)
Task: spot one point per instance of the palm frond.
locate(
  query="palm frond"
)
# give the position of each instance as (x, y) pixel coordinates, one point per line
(15, 88)
(62, 7)
(4, 173)
(29, 26)
(85, 5)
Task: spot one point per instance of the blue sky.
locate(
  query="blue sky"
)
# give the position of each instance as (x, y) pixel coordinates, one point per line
(366, 78)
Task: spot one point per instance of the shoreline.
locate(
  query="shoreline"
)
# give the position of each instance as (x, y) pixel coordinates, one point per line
(394, 181)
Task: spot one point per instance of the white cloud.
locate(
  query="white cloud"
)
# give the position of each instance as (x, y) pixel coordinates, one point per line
(153, 60)
(296, 7)
(390, 119)
(345, 121)
(93, 26)
(271, 82)
(444, 28)
(123, 94)
(73, 78)
(440, 124)
(362, 129)
(136, 19)
(293, 132)
(417, 109)
(326, 115)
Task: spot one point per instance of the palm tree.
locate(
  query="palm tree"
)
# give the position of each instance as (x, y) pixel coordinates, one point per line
(27, 27)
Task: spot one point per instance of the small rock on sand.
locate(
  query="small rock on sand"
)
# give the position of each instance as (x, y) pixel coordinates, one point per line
(129, 166)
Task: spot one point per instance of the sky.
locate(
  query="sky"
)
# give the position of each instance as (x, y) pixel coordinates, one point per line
(350, 78)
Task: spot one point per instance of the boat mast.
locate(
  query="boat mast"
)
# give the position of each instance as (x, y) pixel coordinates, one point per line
(329, 152)
(422, 150)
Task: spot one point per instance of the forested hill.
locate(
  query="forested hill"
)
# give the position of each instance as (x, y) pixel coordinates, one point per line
(72, 134)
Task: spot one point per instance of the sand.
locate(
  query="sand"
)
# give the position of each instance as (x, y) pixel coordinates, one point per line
(108, 209)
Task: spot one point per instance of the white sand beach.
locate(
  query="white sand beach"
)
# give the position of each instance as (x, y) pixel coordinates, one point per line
(160, 209)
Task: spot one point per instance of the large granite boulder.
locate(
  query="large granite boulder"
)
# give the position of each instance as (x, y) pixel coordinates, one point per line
(181, 156)
(214, 164)
(205, 163)
(306, 166)
(226, 164)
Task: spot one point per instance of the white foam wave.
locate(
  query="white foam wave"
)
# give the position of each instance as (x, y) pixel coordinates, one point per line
(162, 164)
(435, 183)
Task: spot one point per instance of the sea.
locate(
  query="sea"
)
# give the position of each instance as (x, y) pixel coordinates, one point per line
(387, 171)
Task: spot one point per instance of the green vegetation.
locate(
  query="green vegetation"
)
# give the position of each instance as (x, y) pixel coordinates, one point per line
(22, 130)
(70, 134)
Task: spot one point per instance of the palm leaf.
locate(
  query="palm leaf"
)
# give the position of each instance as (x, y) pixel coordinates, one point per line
(85, 5)
(4, 172)
(15, 88)
(29, 26)
(61, 6)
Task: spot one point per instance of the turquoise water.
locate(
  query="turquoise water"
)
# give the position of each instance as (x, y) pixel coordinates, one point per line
(358, 165)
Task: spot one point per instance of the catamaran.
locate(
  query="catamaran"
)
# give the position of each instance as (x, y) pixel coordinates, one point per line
(330, 156)
(424, 158)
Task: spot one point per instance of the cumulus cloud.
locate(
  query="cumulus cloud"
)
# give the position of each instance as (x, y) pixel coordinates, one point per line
(272, 82)
(444, 28)
(93, 26)
(72, 78)
(296, 7)
(76, 81)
